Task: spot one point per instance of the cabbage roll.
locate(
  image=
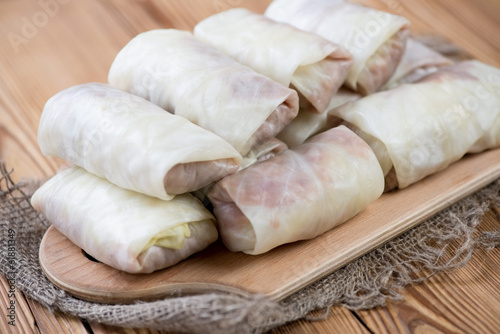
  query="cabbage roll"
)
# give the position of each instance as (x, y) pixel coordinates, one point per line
(176, 71)
(124, 229)
(298, 194)
(376, 39)
(314, 66)
(308, 123)
(427, 125)
(132, 142)
(418, 61)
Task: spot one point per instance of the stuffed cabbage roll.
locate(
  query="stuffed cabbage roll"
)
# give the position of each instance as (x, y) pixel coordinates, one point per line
(376, 39)
(314, 66)
(124, 229)
(418, 61)
(298, 194)
(132, 142)
(427, 125)
(181, 74)
(308, 123)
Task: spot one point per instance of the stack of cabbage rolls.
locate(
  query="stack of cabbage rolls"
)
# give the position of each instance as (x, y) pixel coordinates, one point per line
(258, 129)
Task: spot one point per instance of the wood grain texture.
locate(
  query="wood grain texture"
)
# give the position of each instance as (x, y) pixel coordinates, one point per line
(79, 42)
(102, 329)
(49, 322)
(22, 320)
(461, 301)
(455, 20)
(344, 320)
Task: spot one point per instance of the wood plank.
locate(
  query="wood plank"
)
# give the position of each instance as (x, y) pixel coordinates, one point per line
(186, 14)
(49, 322)
(22, 321)
(460, 301)
(104, 329)
(344, 322)
(283, 270)
(456, 20)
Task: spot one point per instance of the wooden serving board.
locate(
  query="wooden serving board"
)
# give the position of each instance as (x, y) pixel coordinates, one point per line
(282, 271)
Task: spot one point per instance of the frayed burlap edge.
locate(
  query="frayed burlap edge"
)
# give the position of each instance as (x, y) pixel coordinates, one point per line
(443, 242)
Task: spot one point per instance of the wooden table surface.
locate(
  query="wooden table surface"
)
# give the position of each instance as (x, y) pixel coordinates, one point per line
(49, 45)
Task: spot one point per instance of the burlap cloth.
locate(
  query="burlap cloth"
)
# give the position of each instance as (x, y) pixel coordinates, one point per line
(443, 242)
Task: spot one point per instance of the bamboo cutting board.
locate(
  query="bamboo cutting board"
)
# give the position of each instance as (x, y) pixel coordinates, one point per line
(282, 271)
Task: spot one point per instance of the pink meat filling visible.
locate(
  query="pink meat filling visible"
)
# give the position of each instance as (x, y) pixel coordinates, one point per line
(187, 177)
(382, 64)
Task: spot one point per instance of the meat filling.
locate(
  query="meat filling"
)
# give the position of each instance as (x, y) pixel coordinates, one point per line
(183, 178)
(382, 64)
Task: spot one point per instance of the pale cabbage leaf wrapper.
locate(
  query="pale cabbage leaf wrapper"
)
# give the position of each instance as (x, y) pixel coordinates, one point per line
(298, 194)
(308, 123)
(491, 139)
(375, 39)
(124, 229)
(132, 142)
(314, 66)
(418, 61)
(425, 126)
(176, 71)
